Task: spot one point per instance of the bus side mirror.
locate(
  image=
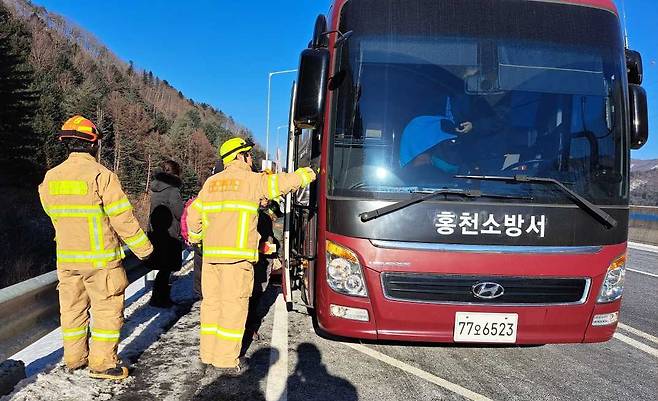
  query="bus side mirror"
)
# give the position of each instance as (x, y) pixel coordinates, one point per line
(311, 88)
(637, 99)
(634, 67)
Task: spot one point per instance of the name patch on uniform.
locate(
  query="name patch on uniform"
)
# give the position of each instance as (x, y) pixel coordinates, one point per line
(224, 185)
(67, 187)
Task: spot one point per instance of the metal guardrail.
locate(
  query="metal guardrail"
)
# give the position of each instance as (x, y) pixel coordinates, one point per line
(30, 309)
(643, 224)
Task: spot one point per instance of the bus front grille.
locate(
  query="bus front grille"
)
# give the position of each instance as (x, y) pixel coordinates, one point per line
(442, 288)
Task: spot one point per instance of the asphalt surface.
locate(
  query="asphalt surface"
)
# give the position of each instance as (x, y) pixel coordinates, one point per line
(609, 371)
(322, 369)
(315, 368)
(639, 308)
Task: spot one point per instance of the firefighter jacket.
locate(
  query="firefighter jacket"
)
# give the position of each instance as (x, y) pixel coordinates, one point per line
(91, 214)
(225, 214)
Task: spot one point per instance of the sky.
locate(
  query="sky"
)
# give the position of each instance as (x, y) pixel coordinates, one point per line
(642, 27)
(221, 52)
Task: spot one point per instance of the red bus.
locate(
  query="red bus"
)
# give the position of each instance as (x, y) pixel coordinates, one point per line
(474, 170)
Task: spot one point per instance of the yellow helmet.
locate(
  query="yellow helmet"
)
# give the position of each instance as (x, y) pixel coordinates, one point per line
(230, 149)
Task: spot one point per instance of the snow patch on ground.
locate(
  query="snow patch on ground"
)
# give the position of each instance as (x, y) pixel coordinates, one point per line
(167, 371)
(47, 379)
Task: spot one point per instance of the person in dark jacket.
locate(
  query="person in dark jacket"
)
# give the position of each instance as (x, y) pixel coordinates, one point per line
(268, 254)
(164, 230)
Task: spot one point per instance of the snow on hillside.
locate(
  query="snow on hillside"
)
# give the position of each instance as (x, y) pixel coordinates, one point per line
(643, 165)
(636, 184)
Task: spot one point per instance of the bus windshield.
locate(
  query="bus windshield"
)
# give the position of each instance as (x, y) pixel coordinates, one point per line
(430, 89)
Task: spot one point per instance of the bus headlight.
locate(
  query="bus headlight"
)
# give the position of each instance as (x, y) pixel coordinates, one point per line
(344, 273)
(613, 283)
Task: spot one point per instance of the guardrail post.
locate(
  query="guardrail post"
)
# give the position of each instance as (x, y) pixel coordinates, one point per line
(643, 224)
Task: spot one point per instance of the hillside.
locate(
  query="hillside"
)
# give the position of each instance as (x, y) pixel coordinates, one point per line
(51, 69)
(644, 182)
(57, 70)
(638, 166)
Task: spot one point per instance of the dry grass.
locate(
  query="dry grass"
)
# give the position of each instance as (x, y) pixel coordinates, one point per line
(141, 204)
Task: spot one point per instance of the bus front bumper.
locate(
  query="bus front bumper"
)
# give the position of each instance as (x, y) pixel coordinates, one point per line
(387, 319)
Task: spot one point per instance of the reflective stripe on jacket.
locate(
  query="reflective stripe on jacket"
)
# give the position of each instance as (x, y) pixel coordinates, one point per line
(225, 213)
(90, 213)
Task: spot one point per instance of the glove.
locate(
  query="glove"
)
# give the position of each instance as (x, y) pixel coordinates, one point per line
(307, 174)
(267, 248)
(146, 259)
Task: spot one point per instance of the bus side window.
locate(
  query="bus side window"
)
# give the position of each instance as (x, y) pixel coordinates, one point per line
(303, 147)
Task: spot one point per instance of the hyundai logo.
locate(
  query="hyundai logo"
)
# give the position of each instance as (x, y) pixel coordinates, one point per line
(488, 290)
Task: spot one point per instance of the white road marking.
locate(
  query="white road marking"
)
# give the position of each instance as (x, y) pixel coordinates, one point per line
(455, 388)
(636, 344)
(641, 272)
(643, 247)
(638, 333)
(277, 375)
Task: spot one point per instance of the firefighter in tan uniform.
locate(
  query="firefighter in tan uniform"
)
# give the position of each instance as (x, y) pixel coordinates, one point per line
(91, 214)
(224, 217)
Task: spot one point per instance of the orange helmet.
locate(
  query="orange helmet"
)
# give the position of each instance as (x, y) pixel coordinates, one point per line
(80, 128)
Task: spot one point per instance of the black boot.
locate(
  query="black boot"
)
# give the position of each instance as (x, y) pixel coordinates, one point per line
(160, 295)
(242, 366)
(160, 301)
(167, 296)
(118, 372)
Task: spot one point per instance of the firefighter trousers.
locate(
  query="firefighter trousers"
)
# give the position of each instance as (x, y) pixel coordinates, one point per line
(226, 290)
(101, 292)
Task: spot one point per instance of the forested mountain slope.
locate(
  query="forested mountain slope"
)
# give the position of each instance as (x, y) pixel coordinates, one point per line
(644, 182)
(51, 69)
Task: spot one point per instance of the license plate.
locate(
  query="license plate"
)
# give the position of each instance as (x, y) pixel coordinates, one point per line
(485, 327)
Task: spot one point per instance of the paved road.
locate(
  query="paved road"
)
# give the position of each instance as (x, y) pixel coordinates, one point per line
(303, 366)
(610, 371)
(639, 308)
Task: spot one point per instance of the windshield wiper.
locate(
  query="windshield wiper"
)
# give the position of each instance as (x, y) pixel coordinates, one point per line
(583, 203)
(427, 194)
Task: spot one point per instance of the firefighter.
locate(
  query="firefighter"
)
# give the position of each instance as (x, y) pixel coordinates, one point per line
(91, 214)
(224, 215)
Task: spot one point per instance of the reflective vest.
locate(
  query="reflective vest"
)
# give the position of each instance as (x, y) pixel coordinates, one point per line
(225, 214)
(91, 215)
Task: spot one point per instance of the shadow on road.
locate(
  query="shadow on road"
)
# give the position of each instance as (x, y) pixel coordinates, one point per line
(151, 322)
(245, 386)
(265, 304)
(311, 381)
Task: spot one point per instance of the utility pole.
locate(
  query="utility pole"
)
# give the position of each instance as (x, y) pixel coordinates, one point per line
(269, 95)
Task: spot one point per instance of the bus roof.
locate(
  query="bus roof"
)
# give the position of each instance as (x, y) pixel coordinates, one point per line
(603, 4)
